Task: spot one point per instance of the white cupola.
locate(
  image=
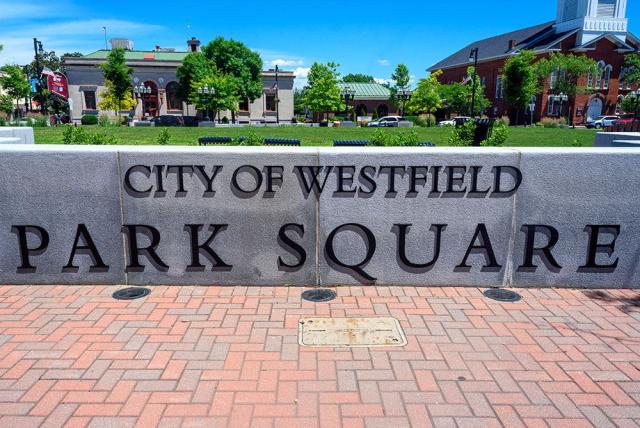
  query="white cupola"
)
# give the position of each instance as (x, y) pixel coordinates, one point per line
(593, 17)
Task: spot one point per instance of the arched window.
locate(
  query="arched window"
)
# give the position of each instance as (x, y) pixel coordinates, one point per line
(174, 98)
(599, 74)
(607, 76)
(590, 77)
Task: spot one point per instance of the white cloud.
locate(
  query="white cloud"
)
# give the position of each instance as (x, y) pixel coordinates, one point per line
(381, 80)
(301, 74)
(384, 62)
(286, 62)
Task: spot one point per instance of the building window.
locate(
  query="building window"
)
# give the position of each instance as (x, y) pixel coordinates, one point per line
(90, 100)
(554, 79)
(270, 102)
(606, 8)
(550, 105)
(607, 77)
(243, 105)
(599, 74)
(499, 89)
(174, 100)
(623, 82)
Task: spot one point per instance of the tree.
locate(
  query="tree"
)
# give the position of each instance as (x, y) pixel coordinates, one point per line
(631, 104)
(426, 98)
(323, 94)
(237, 61)
(519, 81)
(14, 82)
(110, 102)
(195, 66)
(6, 104)
(117, 76)
(632, 64)
(401, 76)
(567, 69)
(224, 95)
(358, 78)
(454, 98)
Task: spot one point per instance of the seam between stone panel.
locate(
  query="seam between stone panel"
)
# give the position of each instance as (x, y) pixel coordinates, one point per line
(121, 200)
(508, 273)
(319, 197)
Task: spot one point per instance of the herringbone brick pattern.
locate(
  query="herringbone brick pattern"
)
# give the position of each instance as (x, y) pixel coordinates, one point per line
(229, 356)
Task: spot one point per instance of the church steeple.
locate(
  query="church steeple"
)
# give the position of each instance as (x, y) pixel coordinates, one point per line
(593, 18)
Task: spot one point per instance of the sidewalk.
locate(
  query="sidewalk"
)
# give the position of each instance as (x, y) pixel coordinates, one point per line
(229, 356)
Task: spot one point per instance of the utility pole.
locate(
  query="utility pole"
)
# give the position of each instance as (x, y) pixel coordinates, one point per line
(37, 49)
(473, 56)
(277, 99)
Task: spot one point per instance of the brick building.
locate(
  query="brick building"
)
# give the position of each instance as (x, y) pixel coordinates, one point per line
(595, 28)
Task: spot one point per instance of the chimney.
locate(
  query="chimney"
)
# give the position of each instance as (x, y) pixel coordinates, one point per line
(512, 44)
(194, 45)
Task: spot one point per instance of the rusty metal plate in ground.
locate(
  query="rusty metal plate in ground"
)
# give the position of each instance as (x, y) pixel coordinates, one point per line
(351, 332)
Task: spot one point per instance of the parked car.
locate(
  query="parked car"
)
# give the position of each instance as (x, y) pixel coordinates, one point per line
(386, 122)
(452, 122)
(624, 119)
(600, 121)
(168, 120)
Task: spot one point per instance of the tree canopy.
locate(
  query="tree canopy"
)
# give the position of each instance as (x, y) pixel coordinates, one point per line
(323, 94)
(234, 59)
(223, 96)
(567, 68)
(117, 76)
(195, 67)
(632, 63)
(358, 78)
(427, 96)
(520, 82)
(401, 76)
(14, 82)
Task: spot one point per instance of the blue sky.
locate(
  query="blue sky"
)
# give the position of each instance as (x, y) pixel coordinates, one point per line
(368, 37)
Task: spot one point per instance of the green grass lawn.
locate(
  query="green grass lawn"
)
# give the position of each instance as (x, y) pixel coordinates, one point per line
(518, 137)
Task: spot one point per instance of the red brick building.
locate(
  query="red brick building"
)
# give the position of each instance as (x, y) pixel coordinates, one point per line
(595, 28)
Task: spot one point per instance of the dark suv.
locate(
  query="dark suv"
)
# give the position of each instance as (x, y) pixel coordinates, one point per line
(168, 120)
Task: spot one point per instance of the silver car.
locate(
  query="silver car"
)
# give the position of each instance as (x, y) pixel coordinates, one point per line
(601, 121)
(386, 122)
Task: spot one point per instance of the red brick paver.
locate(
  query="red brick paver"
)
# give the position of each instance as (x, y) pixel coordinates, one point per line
(229, 356)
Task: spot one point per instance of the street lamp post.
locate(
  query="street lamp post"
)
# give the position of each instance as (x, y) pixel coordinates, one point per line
(473, 57)
(404, 95)
(347, 94)
(277, 99)
(562, 99)
(141, 92)
(37, 50)
(206, 93)
(636, 95)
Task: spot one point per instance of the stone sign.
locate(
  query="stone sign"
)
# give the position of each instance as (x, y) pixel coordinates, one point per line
(303, 216)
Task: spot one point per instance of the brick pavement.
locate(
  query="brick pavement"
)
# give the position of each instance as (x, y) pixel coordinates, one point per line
(229, 356)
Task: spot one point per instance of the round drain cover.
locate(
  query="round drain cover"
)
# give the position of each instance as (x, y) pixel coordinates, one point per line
(502, 295)
(131, 293)
(319, 295)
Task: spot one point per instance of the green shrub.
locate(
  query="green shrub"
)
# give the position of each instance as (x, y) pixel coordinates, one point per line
(89, 119)
(379, 138)
(74, 135)
(498, 136)
(99, 139)
(408, 138)
(107, 121)
(463, 136)
(252, 139)
(3, 120)
(37, 120)
(549, 122)
(163, 137)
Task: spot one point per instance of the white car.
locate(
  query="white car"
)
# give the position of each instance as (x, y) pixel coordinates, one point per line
(386, 122)
(452, 122)
(601, 121)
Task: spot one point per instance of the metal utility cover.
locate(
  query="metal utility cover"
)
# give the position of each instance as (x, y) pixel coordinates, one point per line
(350, 332)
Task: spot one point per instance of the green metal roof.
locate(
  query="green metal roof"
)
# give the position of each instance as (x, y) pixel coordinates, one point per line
(141, 55)
(368, 90)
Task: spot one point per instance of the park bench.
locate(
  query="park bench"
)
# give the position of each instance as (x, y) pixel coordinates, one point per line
(214, 140)
(426, 144)
(350, 143)
(281, 142)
